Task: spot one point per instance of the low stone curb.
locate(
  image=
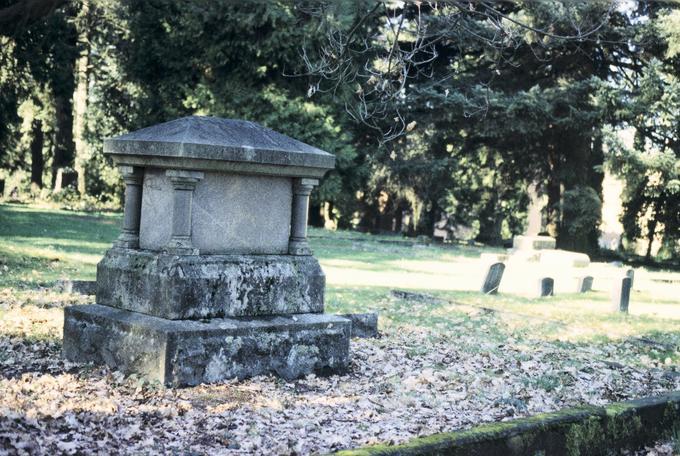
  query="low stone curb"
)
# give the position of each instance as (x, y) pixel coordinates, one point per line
(85, 287)
(364, 325)
(585, 430)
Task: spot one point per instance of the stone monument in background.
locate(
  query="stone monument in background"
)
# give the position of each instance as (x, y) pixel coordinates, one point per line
(211, 277)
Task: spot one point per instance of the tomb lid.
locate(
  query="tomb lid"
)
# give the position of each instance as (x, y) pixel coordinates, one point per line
(203, 142)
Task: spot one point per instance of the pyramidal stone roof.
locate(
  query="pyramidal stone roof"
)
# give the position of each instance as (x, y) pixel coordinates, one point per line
(214, 138)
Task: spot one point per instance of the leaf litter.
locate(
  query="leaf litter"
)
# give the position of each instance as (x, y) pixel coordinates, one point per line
(411, 382)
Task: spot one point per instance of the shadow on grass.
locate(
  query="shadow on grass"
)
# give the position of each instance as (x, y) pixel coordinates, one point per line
(55, 226)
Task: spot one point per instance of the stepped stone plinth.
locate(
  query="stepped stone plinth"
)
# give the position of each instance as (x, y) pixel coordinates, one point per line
(211, 277)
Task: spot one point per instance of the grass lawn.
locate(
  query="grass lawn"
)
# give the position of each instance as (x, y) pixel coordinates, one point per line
(449, 357)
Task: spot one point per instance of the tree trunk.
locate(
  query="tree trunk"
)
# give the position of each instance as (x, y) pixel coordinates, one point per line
(37, 160)
(595, 180)
(651, 230)
(328, 207)
(80, 97)
(368, 212)
(427, 222)
(63, 147)
(316, 215)
(577, 171)
(62, 85)
(554, 192)
(399, 219)
(491, 222)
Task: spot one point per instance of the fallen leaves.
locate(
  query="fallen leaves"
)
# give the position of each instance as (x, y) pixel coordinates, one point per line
(410, 382)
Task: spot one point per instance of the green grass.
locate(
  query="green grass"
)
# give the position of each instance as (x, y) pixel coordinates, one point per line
(43, 245)
(39, 246)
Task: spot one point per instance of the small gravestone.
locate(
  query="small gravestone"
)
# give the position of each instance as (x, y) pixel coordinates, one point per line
(621, 295)
(212, 276)
(630, 273)
(546, 286)
(492, 279)
(585, 284)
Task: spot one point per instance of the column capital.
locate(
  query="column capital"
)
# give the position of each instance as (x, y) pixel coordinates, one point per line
(132, 175)
(304, 186)
(181, 178)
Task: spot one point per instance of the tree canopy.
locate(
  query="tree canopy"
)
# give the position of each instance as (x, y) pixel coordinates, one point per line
(444, 110)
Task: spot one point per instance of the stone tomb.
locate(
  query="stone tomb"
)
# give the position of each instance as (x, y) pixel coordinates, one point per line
(212, 276)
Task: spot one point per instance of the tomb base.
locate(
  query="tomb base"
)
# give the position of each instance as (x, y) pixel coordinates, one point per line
(180, 287)
(190, 352)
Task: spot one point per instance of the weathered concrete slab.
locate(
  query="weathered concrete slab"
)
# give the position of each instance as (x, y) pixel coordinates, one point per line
(533, 242)
(364, 325)
(85, 287)
(189, 352)
(206, 286)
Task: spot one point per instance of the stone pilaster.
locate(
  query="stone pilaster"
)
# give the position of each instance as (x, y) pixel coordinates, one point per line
(129, 236)
(298, 244)
(183, 183)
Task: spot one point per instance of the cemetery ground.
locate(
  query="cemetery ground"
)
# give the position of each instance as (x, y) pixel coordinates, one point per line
(448, 357)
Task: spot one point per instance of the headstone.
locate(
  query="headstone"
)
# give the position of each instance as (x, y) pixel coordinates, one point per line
(546, 286)
(2, 188)
(585, 284)
(212, 276)
(364, 325)
(621, 295)
(492, 279)
(630, 273)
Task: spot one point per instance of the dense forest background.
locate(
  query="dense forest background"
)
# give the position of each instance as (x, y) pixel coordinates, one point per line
(438, 112)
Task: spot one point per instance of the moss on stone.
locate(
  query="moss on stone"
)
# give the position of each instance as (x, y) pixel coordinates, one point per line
(586, 431)
(585, 438)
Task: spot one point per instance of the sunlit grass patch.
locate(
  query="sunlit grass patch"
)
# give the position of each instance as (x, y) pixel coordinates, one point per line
(40, 245)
